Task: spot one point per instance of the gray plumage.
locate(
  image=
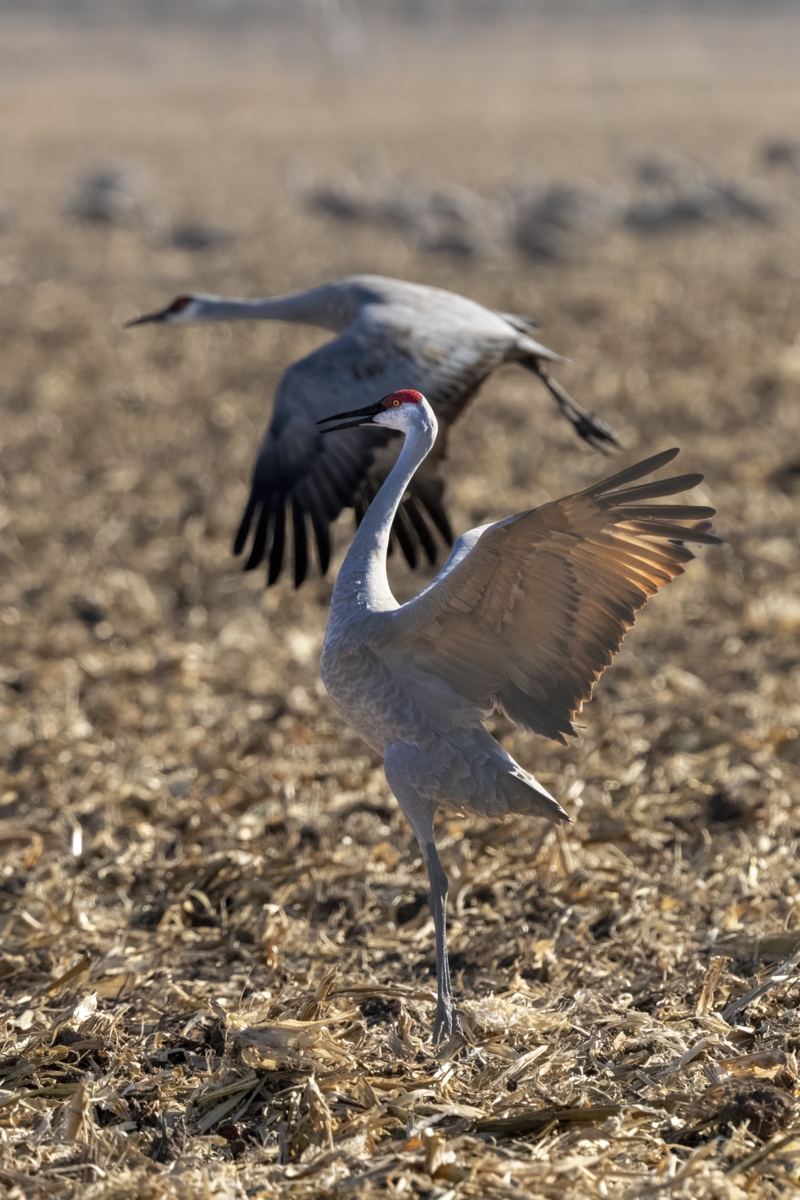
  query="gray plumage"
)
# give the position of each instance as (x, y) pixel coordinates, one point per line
(523, 618)
(111, 195)
(390, 334)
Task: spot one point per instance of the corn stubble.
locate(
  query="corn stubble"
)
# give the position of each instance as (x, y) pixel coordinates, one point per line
(216, 957)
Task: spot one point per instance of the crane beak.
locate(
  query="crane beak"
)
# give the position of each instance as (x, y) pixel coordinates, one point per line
(149, 318)
(358, 416)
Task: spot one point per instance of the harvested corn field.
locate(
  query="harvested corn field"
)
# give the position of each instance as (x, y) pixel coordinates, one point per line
(217, 959)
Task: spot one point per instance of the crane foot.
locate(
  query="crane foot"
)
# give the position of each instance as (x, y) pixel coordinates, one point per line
(447, 1020)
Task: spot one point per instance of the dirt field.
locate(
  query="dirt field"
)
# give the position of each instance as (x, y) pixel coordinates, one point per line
(217, 961)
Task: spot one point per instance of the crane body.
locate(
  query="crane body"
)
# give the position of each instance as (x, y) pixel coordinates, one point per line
(390, 334)
(522, 618)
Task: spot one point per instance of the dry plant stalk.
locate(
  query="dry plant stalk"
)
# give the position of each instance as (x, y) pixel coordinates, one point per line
(215, 949)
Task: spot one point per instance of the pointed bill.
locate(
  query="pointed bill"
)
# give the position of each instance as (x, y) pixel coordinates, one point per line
(357, 416)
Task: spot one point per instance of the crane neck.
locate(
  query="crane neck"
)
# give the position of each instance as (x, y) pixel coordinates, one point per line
(362, 584)
(327, 307)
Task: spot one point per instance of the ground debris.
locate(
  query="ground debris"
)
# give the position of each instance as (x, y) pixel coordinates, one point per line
(216, 955)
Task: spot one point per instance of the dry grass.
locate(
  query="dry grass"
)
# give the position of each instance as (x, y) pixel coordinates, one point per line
(216, 958)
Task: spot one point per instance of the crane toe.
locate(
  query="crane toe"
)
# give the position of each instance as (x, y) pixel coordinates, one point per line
(447, 1021)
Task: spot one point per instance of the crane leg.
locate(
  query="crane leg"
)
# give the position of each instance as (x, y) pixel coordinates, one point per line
(408, 772)
(447, 1022)
(593, 429)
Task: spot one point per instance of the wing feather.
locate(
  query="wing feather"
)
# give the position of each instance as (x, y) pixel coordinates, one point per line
(300, 543)
(243, 531)
(404, 337)
(646, 467)
(278, 541)
(528, 619)
(260, 537)
(405, 536)
(420, 527)
(319, 475)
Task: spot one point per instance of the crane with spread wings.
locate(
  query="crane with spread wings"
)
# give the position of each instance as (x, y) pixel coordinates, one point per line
(523, 618)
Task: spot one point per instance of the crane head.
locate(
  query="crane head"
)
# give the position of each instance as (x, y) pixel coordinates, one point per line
(376, 414)
(182, 308)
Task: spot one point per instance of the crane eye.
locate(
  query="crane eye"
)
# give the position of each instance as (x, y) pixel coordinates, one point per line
(395, 403)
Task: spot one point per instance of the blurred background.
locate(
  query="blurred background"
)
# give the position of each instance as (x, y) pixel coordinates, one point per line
(627, 174)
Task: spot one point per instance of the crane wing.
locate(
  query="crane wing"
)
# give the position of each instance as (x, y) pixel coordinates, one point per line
(529, 617)
(313, 477)
(317, 475)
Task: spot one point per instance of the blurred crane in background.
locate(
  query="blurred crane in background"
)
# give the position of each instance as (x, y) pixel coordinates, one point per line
(391, 334)
(524, 617)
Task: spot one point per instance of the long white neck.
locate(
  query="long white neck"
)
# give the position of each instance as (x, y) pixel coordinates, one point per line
(330, 306)
(362, 584)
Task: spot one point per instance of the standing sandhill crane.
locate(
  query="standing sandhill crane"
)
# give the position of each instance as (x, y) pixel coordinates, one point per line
(523, 617)
(391, 333)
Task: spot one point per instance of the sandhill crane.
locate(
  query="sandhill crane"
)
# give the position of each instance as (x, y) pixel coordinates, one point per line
(523, 617)
(390, 333)
(682, 194)
(110, 195)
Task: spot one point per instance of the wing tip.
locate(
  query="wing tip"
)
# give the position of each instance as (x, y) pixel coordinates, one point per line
(645, 466)
(300, 544)
(244, 525)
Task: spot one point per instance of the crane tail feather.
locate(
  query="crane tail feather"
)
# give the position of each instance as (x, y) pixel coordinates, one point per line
(524, 794)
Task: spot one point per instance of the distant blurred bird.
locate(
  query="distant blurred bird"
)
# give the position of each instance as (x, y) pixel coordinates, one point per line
(523, 617)
(110, 195)
(391, 334)
(684, 194)
(551, 222)
(450, 219)
(197, 236)
(782, 152)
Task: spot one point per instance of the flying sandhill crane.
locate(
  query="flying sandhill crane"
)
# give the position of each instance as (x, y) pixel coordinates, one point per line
(391, 334)
(523, 617)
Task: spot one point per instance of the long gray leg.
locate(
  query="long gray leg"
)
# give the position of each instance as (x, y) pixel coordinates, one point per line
(447, 1021)
(404, 765)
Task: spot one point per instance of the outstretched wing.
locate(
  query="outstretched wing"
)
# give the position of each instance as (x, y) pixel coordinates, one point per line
(314, 477)
(317, 475)
(532, 614)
